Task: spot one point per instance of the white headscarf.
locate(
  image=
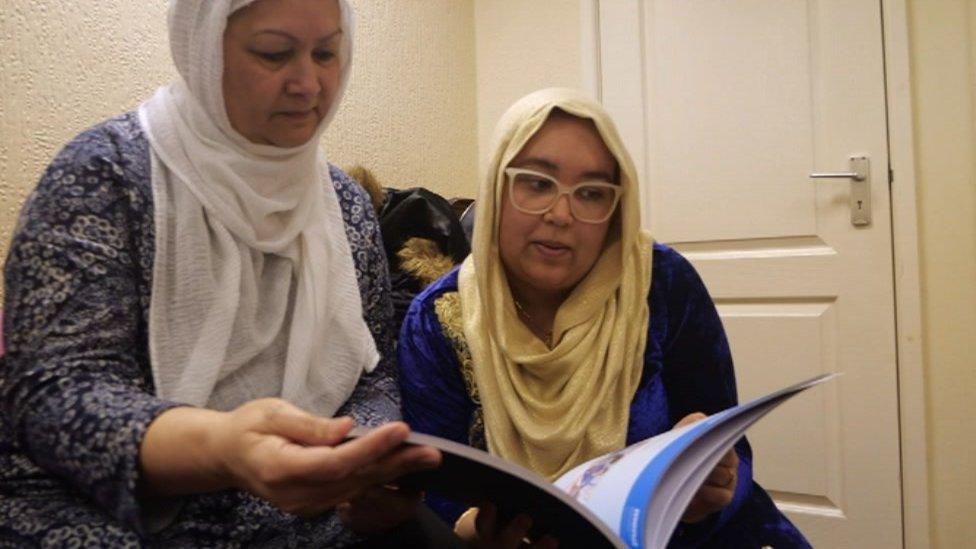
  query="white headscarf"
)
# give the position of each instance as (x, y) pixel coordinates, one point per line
(254, 290)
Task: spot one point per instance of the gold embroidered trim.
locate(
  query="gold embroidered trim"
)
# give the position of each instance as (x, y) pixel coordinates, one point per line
(448, 309)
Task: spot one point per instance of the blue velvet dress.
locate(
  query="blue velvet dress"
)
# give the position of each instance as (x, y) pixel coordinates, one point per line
(76, 388)
(687, 368)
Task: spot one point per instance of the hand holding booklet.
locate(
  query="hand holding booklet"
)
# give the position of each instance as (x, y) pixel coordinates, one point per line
(633, 497)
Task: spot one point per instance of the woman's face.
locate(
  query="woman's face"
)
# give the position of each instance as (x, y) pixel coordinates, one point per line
(281, 69)
(551, 252)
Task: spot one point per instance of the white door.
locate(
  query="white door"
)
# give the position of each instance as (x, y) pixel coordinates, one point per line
(728, 106)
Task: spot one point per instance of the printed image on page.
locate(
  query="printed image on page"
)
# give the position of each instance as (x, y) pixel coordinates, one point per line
(603, 483)
(590, 477)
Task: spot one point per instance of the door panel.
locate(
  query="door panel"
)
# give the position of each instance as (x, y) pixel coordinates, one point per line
(712, 116)
(727, 108)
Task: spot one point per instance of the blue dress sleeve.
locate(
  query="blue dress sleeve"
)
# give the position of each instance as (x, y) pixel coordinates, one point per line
(435, 398)
(697, 369)
(74, 393)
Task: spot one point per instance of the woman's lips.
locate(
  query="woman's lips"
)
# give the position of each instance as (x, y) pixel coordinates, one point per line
(548, 248)
(296, 115)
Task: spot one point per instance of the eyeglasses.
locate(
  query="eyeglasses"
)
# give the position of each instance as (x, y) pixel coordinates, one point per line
(532, 192)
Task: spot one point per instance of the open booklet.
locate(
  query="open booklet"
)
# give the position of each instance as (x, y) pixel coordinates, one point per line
(633, 497)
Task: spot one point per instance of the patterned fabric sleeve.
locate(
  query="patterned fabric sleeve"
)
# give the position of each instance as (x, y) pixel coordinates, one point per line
(73, 392)
(376, 398)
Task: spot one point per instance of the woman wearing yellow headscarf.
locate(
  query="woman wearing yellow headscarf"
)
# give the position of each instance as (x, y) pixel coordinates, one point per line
(568, 333)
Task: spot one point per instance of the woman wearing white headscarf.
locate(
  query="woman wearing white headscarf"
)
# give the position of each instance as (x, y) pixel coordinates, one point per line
(194, 297)
(568, 333)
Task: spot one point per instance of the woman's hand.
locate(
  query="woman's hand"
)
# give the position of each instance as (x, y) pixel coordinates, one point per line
(276, 451)
(718, 488)
(479, 528)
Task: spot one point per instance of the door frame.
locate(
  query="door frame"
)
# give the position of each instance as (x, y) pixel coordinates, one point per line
(628, 19)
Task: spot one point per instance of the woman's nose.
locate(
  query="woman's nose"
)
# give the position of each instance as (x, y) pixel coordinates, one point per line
(303, 78)
(561, 212)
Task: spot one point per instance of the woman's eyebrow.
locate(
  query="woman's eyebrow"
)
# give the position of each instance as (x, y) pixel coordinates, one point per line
(332, 35)
(539, 162)
(289, 36)
(599, 174)
(550, 166)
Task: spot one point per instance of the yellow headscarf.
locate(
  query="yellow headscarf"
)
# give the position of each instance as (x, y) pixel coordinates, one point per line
(552, 409)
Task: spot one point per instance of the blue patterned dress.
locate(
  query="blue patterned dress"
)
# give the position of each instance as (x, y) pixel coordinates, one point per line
(687, 368)
(76, 389)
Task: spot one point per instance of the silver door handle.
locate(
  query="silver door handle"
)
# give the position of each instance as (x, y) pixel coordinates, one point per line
(838, 175)
(860, 176)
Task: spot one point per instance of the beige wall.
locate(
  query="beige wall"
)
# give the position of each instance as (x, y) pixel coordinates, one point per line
(65, 66)
(943, 56)
(522, 46)
(409, 114)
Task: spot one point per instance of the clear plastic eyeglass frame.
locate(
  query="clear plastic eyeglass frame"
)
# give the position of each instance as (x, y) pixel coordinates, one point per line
(512, 173)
